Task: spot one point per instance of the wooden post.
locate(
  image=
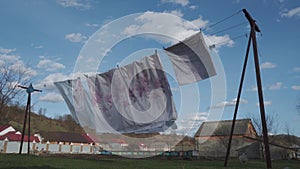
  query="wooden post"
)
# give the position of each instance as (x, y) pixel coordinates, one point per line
(5, 145)
(29, 90)
(24, 125)
(28, 134)
(71, 147)
(254, 29)
(59, 146)
(81, 147)
(91, 148)
(33, 145)
(47, 146)
(237, 102)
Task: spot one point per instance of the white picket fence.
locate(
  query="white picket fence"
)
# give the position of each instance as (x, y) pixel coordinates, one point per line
(13, 147)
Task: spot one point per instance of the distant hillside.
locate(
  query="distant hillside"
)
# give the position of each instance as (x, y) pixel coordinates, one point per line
(14, 116)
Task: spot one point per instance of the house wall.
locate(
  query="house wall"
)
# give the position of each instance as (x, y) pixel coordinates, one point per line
(217, 137)
(251, 131)
(13, 147)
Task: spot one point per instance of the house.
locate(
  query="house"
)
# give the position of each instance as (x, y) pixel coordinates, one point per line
(253, 150)
(12, 135)
(5, 129)
(213, 136)
(186, 144)
(213, 130)
(17, 136)
(67, 138)
(118, 144)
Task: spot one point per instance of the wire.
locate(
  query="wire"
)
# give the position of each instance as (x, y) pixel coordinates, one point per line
(222, 20)
(231, 27)
(237, 37)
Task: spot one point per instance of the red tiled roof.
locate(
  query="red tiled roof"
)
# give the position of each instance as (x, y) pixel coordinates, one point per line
(222, 128)
(88, 138)
(120, 141)
(3, 127)
(12, 136)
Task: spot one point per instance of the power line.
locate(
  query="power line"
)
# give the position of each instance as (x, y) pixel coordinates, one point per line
(224, 19)
(231, 27)
(223, 42)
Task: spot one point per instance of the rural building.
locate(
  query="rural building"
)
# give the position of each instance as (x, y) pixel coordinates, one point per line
(67, 138)
(17, 136)
(213, 130)
(8, 132)
(213, 138)
(5, 129)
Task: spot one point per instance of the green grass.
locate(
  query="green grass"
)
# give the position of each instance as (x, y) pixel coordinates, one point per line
(11, 161)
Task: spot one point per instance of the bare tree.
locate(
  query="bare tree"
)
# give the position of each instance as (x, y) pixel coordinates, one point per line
(9, 79)
(273, 124)
(289, 136)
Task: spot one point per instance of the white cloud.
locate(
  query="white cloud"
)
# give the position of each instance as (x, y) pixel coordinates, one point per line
(39, 47)
(175, 12)
(36, 46)
(172, 29)
(75, 37)
(218, 41)
(6, 51)
(267, 65)
(190, 122)
(9, 58)
(15, 64)
(78, 4)
(166, 24)
(200, 22)
(91, 25)
(266, 103)
(295, 12)
(253, 89)
(50, 65)
(179, 2)
(193, 7)
(297, 69)
(52, 97)
(295, 87)
(276, 86)
(47, 82)
(228, 103)
(19, 66)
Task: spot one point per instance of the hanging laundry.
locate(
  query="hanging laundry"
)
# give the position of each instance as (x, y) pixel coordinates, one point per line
(135, 98)
(191, 60)
(78, 102)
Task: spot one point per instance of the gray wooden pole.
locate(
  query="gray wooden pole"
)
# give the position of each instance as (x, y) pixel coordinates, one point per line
(237, 102)
(254, 29)
(29, 90)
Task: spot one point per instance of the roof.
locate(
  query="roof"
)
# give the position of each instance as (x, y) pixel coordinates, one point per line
(222, 128)
(14, 136)
(67, 137)
(120, 141)
(3, 127)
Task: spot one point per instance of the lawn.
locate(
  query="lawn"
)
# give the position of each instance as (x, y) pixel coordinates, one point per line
(75, 162)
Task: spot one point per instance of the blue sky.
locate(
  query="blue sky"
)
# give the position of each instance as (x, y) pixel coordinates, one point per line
(46, 37)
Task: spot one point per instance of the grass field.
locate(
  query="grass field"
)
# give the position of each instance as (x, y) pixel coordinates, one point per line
(14, 161)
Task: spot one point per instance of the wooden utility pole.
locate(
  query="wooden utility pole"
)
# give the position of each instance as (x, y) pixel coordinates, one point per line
(254, 29)
(29, 90)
